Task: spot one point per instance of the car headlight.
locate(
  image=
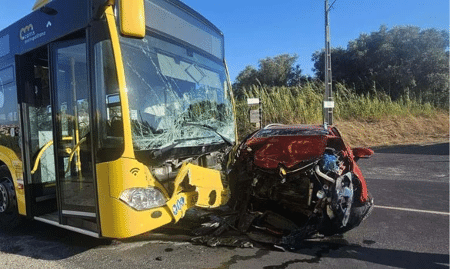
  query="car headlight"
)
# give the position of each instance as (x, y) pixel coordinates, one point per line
(142, 199)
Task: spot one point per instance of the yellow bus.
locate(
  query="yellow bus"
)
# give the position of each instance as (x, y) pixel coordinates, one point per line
(116, 116)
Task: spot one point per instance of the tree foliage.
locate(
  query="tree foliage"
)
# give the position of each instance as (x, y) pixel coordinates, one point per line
(273, 71)
(404, 61)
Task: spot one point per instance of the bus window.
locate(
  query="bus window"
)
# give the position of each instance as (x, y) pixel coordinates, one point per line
(41, 125)
(9, 123)
(109, 116)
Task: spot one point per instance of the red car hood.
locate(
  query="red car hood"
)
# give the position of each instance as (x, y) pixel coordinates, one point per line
(286, 150)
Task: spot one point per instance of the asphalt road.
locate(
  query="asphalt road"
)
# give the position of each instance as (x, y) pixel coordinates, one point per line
(409, 228)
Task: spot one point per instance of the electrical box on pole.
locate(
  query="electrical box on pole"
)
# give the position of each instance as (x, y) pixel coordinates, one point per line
(255, 111)
(328, 101)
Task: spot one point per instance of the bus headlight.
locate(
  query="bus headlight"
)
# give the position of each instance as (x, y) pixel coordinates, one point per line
(142, 199)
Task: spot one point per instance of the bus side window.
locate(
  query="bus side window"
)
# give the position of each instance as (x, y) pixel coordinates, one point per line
(108, 106)
(9, 121)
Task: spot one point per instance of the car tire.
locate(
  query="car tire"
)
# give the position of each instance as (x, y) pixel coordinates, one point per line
(9, 216)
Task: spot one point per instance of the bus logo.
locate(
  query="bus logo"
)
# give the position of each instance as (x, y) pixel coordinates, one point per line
(26, 31)
(134, 171)
(178, 205)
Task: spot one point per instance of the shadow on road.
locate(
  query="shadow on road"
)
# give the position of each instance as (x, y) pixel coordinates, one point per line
(386, 257)
(42, 241)
(437, 149)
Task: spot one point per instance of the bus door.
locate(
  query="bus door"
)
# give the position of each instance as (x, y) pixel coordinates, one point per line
(75, 180)
(33, 86)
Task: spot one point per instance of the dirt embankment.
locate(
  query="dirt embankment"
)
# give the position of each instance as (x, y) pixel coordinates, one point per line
(396, 130)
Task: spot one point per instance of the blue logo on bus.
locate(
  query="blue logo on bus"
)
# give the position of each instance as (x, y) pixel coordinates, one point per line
(178, 205)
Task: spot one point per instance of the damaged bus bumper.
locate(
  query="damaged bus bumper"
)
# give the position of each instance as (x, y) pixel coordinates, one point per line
(196, 186)
(124, 214)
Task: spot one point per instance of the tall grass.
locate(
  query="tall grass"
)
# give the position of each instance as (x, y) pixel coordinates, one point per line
(303, 105)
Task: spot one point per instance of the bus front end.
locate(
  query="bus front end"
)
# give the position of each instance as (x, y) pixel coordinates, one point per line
(169, 111)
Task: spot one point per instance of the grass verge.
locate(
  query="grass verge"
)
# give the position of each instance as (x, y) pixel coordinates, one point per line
(395, 130)
(371, 119)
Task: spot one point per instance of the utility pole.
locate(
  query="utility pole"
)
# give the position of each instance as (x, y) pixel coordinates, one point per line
(328, 103)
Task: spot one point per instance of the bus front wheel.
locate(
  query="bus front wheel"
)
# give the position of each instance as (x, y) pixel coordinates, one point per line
(9, 216)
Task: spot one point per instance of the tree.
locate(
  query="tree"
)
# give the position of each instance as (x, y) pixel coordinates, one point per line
(272, 71)
(245, 78)
(278, 70)
(402, 61)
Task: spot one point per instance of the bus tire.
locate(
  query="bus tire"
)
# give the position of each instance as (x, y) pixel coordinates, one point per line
(9, 216)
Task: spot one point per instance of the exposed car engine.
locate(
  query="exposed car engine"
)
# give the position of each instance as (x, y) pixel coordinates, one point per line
(297, 181)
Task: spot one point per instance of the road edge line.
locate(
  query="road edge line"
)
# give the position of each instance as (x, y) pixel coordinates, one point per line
(413, 210)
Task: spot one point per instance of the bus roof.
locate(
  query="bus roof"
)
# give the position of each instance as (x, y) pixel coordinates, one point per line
(54, 20)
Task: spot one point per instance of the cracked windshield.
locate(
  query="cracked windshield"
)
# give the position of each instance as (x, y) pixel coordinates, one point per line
(177, 96)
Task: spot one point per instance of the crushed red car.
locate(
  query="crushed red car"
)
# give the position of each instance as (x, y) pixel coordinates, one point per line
(296, 181)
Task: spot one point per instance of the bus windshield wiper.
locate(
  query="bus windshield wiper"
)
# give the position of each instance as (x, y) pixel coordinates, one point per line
(227, 141)
(157, 153)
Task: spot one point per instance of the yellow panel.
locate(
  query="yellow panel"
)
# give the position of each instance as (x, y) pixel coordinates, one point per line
(128, 143)
(14, 165)
(207, 183)
(121, 221)
(125, 173)
(132, 18)
(117, 219)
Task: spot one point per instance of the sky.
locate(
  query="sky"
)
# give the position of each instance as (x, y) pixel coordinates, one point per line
(255, 30)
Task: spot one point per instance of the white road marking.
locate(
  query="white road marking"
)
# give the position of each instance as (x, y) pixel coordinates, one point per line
(413, 210)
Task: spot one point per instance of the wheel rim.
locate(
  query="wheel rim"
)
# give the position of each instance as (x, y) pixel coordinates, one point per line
(3, 198)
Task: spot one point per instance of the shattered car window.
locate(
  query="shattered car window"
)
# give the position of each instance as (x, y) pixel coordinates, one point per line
(282, 130)
(174, 92)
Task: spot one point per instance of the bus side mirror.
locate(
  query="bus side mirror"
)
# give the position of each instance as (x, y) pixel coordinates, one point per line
(132, 18)
(361, 153)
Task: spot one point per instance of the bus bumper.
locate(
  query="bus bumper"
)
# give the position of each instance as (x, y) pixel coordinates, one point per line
(193, 186)
(196, 186)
